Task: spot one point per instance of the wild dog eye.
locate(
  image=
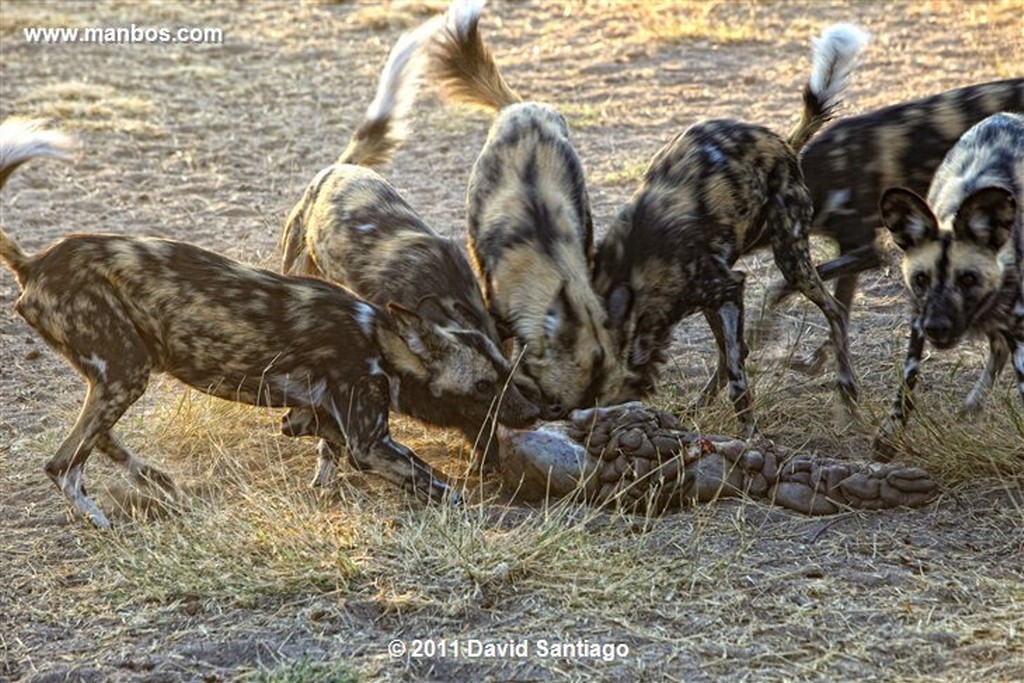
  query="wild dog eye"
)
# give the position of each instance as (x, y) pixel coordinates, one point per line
(967, 279)
(922, 280)
(485, 387)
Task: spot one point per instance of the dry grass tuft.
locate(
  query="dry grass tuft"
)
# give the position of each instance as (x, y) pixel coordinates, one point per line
(401, 14)
(93, 107)
(671, 22)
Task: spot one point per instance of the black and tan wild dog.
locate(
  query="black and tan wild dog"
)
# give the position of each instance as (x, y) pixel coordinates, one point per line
(530, 229)
(850, 163)
(719, 190)
(352, 227)
(120, 308)
(964, 258)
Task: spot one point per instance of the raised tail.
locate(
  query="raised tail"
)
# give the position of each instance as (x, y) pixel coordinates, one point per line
(833, 55)
(21, 140)
(462, 65)
(385, 125)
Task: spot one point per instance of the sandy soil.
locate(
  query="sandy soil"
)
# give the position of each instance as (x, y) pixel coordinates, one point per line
(214, 144)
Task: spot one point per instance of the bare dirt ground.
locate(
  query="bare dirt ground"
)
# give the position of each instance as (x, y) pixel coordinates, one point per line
(258, 577)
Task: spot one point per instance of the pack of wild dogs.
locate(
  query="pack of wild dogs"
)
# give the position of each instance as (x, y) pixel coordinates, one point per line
(374, 311)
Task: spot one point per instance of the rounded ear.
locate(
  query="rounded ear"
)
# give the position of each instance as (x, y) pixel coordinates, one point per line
(411, 328)
(908, 218)
(430, 307)
(464, 315)
(986, 217)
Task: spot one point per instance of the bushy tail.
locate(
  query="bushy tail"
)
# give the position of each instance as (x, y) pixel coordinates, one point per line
(463, 66)
(833, 55)
(385, 125)
(21, 140)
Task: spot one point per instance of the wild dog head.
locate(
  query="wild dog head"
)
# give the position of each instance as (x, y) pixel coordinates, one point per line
(953, 266)
(461, 370)
(958, 253)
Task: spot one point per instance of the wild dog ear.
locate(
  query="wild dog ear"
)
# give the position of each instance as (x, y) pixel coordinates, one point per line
(986, 217)
(430, 307)
(908, 217)
(465, 315)
(620, 303)
(404, 344)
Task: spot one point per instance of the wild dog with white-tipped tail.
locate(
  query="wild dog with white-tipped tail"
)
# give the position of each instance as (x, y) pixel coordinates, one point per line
(530, 228)
(352, 227)
(120, 308)
(717, 191)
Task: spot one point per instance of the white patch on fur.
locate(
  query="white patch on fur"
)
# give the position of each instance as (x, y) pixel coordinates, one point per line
(836, 199)
(326, 465)
(552, 320)
(713, 153)
(70, 484)
(833, 55)
(375, 368)
(910, 369)
(98, 363)
(798, 228)
(364, 318)
(313, 394)
(366, 227)
(462, 14)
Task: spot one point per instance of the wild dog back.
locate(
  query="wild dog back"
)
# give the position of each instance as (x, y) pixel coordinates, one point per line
(850, 164)
(718, 190)
(530, 229)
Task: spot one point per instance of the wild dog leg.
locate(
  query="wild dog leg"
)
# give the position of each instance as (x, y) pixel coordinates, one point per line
(1018, 365)
(792, 255)
(903, 403)
(142, 473)
(998, 354)
(116, 366)
(721, 374)
(317, 422)
(726, 323)
(100, 411)
(365, 424)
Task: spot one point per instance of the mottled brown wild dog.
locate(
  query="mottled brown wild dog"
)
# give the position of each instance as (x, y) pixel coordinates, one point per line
(850, 163)
(351, 226)
(715, 192)
(120, 308)
(530, 229)
(963, 258)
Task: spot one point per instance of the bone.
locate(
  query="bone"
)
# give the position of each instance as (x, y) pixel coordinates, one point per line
(642, 459)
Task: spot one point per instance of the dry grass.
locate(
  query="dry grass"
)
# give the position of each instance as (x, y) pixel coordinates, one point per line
(250, 537)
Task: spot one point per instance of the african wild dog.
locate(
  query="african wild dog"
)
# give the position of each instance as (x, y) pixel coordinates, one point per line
(715, 192)
(119, 308)
(850, 164)
(530, 228)
(964, 258)
(354, 228)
